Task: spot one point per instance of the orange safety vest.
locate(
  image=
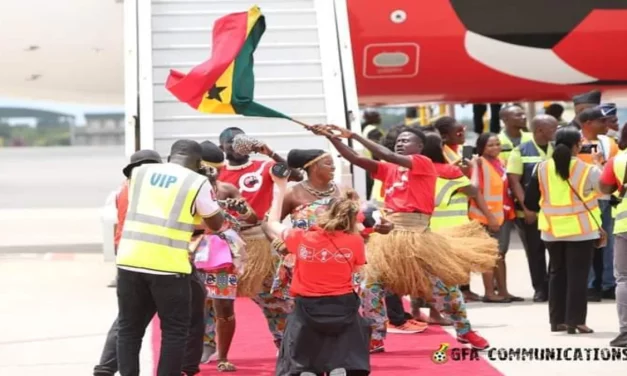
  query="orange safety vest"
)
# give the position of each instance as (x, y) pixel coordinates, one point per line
(492, 193)
(450, 155)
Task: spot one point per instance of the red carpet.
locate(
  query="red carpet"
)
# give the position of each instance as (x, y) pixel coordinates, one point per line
(254, 353)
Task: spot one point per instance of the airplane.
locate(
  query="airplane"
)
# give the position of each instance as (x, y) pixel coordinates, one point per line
(435, 51)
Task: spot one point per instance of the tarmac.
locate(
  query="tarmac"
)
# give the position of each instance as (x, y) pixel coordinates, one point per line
(56, 309)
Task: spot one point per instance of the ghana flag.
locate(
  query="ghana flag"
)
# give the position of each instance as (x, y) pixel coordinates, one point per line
(225, 83)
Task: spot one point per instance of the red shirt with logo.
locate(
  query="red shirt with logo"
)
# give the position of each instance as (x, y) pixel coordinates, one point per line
(325, 262)
(408, 190)
(254, 183)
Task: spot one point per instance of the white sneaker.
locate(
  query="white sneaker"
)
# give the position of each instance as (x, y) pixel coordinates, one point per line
(209, 353)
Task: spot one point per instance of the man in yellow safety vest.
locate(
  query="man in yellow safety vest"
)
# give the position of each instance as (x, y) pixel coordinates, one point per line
(166, 201)
(613, 179)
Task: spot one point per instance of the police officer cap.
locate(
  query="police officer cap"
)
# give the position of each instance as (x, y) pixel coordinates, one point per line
(608, 109)
(592, 97)
(139, 158)
(591, 114)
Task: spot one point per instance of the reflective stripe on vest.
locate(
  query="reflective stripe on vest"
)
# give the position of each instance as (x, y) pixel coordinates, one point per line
(450, 155)
(493, 187)
(562, 214)
(451, 206)
(159, 222)
(507, 145)
(620, 222)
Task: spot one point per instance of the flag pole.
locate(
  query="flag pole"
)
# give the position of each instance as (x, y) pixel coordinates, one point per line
(309, 127)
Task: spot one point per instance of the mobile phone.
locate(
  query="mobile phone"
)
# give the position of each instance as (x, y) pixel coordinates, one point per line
(588, 149)
(280, 170)
(468, 151)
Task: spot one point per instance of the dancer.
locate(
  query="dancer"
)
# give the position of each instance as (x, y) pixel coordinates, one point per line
(325, 332)
(221, 281)
(564, 191)
(412, 260)
(252, 178)
(452, 194)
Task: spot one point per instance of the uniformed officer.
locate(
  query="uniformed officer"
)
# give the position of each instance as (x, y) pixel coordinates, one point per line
(583, 102)
(166, 201)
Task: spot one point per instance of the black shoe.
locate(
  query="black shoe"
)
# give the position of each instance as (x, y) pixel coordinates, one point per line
(559, 327)
(620, 341)
(574, 329)
(540, 297)
(609, 294)
(594, 295)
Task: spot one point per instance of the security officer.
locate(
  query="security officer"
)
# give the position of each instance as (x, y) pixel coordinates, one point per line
(520, 165)
(514, 131)
(583, 102)
(166, 201)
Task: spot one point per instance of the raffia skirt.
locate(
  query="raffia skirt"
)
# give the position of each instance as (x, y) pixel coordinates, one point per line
(260, 263)
(406, 258)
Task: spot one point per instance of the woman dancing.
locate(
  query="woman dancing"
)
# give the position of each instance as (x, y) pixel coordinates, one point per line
(412, 260)
(324, 332)
(221, 276)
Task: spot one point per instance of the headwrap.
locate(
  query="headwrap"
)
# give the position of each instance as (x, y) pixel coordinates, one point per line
(304, 158)
(212, 155)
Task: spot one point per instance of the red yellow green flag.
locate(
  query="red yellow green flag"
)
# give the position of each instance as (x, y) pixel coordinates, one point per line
(225, 83)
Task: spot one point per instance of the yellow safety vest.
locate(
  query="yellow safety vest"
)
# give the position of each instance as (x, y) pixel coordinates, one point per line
(159, 221)
(562, 214)
(620, 221)
(507, 145)
(451, 206)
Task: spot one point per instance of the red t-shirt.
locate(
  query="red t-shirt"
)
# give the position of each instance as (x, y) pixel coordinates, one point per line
(324, 261)
(408, 191)
(607, 176)
(121, 204)
(254, 183)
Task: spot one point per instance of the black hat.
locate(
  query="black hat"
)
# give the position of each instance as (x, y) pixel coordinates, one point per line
(139, 158)
(591, 114)
(592, 97)
(609, 109)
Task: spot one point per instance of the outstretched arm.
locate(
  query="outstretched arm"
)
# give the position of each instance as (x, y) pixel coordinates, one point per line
(352, 157)
(378, 151)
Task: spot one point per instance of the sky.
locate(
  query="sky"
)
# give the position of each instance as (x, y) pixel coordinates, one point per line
(77, 110)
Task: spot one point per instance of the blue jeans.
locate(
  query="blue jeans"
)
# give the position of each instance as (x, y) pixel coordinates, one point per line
(604, 257)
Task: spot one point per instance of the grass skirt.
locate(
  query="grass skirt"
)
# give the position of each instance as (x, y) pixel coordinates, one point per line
(405, 259)
(259, 262)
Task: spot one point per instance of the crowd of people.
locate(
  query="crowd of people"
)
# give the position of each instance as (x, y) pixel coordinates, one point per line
(209, 226)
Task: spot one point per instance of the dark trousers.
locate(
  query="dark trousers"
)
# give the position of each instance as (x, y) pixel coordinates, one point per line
(536, 254)
(140, 296)
(479, 110)
(108, 365)
(396, 311)
(568, 279)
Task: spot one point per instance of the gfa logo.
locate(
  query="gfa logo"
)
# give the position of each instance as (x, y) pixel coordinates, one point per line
(162, 180)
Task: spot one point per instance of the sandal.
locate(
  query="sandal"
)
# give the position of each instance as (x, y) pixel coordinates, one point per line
(226, 366)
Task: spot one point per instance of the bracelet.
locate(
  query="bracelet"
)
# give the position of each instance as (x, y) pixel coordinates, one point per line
(278, 244)
(246, 214)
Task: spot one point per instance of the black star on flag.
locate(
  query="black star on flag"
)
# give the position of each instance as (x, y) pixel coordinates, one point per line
(214, 93)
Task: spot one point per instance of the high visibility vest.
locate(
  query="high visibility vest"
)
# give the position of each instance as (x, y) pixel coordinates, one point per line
(451, 206)
(450, 155)
(562, 214)
(620, 218)
(507, 145)
(159, 222)
(530, 155)
(492, 193)
(608, 147)
(377, 191)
